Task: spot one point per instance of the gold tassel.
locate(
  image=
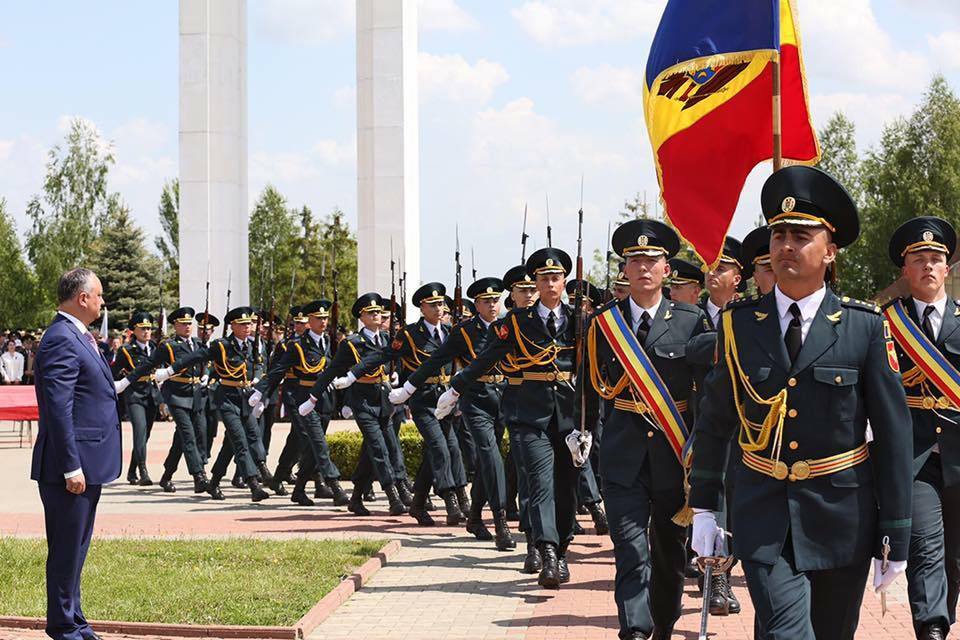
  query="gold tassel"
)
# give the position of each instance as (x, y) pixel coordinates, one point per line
(684, 517)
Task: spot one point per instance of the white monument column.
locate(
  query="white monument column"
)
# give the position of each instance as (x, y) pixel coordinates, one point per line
(213, 152)
(388, 150)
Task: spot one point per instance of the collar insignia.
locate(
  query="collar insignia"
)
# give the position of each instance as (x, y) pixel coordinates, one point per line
(760, 316)
(834, 317)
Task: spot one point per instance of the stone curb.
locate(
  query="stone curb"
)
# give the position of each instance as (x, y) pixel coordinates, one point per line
(320, 612)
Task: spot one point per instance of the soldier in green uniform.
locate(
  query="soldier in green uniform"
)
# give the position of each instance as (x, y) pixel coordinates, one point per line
(480, 406)
(925, 326)
(142, 399)
(306, 358)
(538, 344)
(756, 259)
(206, 324)
(686, 281)
(235, 362)
(290, 453)
(636, 361)
(800, 372)
(181, 393)
(620, 288)
(723, 281)
(367, 400)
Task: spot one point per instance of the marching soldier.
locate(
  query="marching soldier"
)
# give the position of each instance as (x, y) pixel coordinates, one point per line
(924, 325)
(636, 359)
(480, 406)
(291, 446)
(181, 393)
(306, 357)
(756, 259)
(686, 281)
(800, 372)
(538, 343)
(206, 324)
(367, 399)
(235, 363)
(621, 286)
(722, 282)
(399, 414)
(142, 399)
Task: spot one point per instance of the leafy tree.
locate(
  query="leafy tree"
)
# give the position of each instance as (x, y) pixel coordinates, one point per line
(18, 288)
(273, 244)
(168, 244)
(322, 241)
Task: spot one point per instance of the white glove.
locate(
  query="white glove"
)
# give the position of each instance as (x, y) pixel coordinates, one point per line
(305, 408)
(204, 380)
(394, 379)
(254, 398)
(446, 403)
(346, 412)
(883, 579)
(254, 382)
(706, 534)
(402, 394)
(579, 444)
(345, 381)
(120, 385)
(163, 374)
(259, 409)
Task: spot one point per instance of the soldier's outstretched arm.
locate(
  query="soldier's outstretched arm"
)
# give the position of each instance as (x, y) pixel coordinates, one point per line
(340, 364)
(500, 341)
(453, 347)
(202, 354)
(892, 448)
(283, 361)
(159, 358)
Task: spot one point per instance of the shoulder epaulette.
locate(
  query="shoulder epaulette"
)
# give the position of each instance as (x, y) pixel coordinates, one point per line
(746, 301)
(683, 306)
(863, 305)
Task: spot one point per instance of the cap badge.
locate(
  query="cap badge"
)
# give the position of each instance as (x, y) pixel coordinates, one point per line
(526, 278)
(435, 293)
(928, 236)
(549, 262)
(788, 204)
(643, 241)
(489, 289)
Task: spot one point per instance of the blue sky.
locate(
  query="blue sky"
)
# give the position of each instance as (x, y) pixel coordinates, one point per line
(517, 99)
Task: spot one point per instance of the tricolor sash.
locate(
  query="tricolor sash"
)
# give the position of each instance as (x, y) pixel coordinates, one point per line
(644, 377)
(924, 353)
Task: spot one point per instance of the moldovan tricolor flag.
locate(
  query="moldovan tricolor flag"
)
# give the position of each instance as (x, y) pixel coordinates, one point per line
(708, 101)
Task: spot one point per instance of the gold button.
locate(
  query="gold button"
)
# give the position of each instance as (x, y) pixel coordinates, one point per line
(794, 444)
(838, 379)
(792, 382)
(649, 434)
(939, 429)
(792, 413)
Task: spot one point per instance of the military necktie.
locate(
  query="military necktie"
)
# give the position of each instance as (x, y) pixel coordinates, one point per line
(552, 325)
(644, 328)
(436, 335)
(927, 324)
(794, 335)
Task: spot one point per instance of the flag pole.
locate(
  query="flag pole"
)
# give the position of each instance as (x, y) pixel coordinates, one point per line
(777, 120)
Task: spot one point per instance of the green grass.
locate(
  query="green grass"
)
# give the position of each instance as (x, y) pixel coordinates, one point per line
(244, 581)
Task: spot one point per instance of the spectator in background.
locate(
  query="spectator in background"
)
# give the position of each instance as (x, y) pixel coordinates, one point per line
(11, 364)
(29, 356)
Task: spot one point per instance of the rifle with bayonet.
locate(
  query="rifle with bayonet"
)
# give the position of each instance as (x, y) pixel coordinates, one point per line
(392, 329)
(403, 295)
(457, 288)
(579, 342)
(335, 306)
(288, 328)
(259, 312)
(223, 334)
(473, 266)
(272, 316)
(607, 295)
(523, 237)
(549, 228)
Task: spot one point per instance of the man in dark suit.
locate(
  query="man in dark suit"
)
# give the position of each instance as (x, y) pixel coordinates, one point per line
(78, 445)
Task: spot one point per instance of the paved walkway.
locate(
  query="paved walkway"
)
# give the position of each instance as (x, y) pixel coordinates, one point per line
(443, 584)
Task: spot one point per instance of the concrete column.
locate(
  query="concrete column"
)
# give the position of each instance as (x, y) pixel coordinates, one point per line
(213, 152)
(388, 149)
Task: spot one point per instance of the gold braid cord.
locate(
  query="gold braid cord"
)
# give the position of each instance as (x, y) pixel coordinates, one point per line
(378, 373)
(411, 364)
(304, 367)
(224, 370)
(543, 356)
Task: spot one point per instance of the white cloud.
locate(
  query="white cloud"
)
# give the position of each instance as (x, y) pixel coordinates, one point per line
(303, 22)
(6, 149)
(444, 15)
(292, 166)
(945, 48)
(451, 77)
(609, 86)
(573, 22)
(869, 111)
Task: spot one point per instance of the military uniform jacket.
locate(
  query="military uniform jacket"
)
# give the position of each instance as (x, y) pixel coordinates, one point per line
(465, 341)
(370, 393)
(539, 369)
(131, 357)
(235, 371)
(929, 428)
(183, 389)
(629, 437)
(306, 359)
(842, 377)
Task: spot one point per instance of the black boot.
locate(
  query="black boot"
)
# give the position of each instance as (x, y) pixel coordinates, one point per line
(166, 482)
(256, 491)
(463, 499)
(321, 491)
(200, 482)
(397, 508)
(733, 605)
(932, 632)
(299, 495)
(132, 473)
(276, 485)
(145, 480)
(719, 606)
(266, 476)
(533, 563)
(476, 527)
(340, 497)
(213, 488)
(454, 515)
(355, 506)
(409, 485)
(563, 569)
(405, 496)
(238, 481)
(370, 495)
(503, 538)
(599, 518)
(513, 514)
(419, 511)
(550, 573)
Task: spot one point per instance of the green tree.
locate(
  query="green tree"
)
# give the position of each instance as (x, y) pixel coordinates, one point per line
(273, 244)
(168, 244)
(18, 290)
(322, 241)
(67, 216)
(129, 274)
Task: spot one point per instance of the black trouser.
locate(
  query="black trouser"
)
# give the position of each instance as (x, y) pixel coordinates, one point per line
(267, 420)
(551, 481)
(315, 453)
(184, 441)
(442, 464)
(523, 485)
(237, 430)
(200, 433)
(588, 491)
(213, 421)
(806, 605)
(951, 538)
(374, 460)
(397, 459)
(292, 448)
(490, 484)
(141, 417)
(468, 448)
(926, 566)
(649, 550)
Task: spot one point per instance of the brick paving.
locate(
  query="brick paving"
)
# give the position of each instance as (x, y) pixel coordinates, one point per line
(441, 585)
